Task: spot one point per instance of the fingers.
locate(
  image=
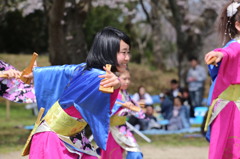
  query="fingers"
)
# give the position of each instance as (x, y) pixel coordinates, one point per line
(110, 82)
(208, 56)
(30, 75)
(12, 73)
(110, 79)
(212, 54)
(107, 71)
(35, 64)
(130, 104)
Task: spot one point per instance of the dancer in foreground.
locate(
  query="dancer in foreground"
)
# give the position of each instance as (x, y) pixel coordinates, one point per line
(224, 96)
(61, 133)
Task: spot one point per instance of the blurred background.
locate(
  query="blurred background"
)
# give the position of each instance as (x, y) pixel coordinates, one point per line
(165, 34)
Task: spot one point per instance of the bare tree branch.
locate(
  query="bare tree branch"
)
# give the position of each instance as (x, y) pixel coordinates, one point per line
(145, 11)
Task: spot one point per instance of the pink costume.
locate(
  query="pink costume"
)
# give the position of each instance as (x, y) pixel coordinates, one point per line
(14, 89)
(120, 138)
(61, 132)
(50, 141)
(225, 119)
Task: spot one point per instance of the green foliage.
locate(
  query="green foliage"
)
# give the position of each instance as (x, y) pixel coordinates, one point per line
(23, 34)
(98, 18)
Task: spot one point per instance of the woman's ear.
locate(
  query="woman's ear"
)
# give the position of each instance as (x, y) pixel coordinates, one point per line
(237, 26)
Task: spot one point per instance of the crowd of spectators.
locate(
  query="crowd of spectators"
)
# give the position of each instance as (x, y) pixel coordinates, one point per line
(176, 104)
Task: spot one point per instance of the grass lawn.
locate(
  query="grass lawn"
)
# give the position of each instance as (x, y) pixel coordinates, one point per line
(12, 136)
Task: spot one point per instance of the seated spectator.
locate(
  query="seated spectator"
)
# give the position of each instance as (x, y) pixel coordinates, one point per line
(180, 116)
(187, 101)
(149, 122)
(175, 89)
(142, 97)
(166, 106)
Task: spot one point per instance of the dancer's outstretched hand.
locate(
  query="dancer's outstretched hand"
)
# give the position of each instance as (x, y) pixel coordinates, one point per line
(110, 79)
(12, 73)
(213, 54)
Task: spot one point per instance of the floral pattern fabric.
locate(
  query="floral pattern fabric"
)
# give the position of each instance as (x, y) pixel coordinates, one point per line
(14, 89)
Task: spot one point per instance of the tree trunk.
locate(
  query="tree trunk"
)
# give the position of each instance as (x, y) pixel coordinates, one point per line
(56, 35)
(154, 20)
(66, 38)
(75, 38)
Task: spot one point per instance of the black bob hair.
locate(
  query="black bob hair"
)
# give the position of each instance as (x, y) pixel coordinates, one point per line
(105, 47)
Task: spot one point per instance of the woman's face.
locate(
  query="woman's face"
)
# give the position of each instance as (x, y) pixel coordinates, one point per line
(142, 90)
(123, 56)
(125, 80)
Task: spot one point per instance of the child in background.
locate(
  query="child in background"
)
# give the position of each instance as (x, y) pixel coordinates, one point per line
(120, 137)
(224, 93)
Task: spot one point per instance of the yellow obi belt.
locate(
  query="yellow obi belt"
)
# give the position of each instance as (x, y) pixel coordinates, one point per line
(232, 93)
(61, 123)
(58, 121)
(116, 120)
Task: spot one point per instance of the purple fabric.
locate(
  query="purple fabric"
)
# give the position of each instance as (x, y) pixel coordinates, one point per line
(14, 89)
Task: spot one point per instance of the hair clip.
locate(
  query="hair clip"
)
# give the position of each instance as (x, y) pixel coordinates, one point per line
(232, 9)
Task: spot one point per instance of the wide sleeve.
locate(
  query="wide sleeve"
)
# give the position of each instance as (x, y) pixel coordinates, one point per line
(93, 105)
(148, 99)
(49, 83)
(229, 72)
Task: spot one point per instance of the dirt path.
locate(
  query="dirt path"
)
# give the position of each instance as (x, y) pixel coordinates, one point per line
(150, 152)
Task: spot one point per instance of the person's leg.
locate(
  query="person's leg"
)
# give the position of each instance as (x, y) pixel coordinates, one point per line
(198, 97)
(192, 98)
(184, 115)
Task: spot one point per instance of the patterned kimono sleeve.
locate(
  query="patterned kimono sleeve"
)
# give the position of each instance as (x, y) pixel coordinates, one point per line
(14, 89)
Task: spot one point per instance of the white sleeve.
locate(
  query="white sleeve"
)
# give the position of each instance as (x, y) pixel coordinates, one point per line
(135, 97)
(148, 99)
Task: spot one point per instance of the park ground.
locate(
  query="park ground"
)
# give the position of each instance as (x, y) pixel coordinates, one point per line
(174, 146)
(150, 152)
